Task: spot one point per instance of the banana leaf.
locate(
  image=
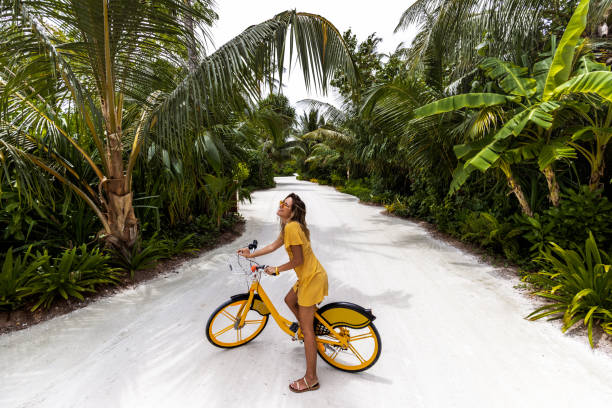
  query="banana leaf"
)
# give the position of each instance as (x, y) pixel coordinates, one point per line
(490, 153)
(512, 78)
(598, 82)
(562, 61)
(540, 72)
(470, 100)
(554, 151)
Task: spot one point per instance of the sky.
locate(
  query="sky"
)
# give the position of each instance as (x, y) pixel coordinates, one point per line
(363, 17)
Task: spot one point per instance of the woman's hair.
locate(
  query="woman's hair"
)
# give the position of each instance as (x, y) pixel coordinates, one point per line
(298, 213)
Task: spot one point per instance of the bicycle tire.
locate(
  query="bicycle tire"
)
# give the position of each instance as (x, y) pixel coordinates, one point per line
(337, 357)
(228, 307)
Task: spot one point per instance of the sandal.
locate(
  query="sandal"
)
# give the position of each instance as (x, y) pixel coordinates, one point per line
(308, 387)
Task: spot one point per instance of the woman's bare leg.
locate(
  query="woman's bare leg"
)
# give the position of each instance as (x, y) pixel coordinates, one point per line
(291, 301)
(306, 317)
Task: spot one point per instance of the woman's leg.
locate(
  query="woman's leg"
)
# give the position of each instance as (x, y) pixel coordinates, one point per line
(291, 301)
(306, 317)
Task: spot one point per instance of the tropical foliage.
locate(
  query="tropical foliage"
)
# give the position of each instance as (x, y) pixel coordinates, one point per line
(579, 285)
(101, 84)
(124, 141)
(122, 136)
(493, 124)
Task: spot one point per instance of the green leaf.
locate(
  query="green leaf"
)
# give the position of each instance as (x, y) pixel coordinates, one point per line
(490, 153)
(590, 313)
(588, 65)
(591, 132)
(469, 100)
(512, 78)
(599, 83)
(561, 66)
(580, 295)
(460, 176)
(554, 151)
(540, 72)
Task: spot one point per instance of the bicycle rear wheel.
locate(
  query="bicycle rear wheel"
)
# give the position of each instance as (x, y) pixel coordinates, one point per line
(221, 330)
(364, 346)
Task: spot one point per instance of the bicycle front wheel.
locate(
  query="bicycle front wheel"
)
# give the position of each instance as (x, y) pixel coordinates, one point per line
(364, 346)
(221, 330)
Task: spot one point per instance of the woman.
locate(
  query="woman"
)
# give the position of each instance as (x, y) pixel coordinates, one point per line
(311, 287)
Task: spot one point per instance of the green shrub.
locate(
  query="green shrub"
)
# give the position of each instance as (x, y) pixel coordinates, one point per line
(16, 271)
(578, 285)
(569, 224)
(336, 180)
(143, 255)
(73, 273)
(358, 188)
(287, 169)
(486, 231)
(261, 170)
(386, 197)
(398, 206)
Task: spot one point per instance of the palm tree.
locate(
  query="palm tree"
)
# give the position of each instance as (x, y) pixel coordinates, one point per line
(98, 59)
(459, 33)
(539, 99)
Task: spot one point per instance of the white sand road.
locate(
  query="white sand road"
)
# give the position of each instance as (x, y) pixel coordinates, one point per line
(453, 330)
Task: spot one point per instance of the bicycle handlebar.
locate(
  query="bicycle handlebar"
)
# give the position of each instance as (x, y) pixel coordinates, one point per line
(255, 267)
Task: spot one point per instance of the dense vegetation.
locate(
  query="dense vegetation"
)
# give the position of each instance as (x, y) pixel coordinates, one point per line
(492, 125)
(122, 142)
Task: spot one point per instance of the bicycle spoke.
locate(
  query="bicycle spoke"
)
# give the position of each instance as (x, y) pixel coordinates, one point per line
(228, 315)
(362, 336)
(333, 356)
(220, 332)
(356, 353)
(253, 321)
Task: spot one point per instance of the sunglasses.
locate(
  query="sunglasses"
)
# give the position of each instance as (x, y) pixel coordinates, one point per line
(283, 204)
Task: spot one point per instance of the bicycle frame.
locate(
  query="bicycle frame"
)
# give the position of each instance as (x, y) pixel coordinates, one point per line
(283, 323)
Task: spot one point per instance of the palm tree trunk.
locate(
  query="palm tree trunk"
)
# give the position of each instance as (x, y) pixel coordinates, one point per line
(553, 185)
(118, 203)
(120, 210)
(516, 189)
(192, 55)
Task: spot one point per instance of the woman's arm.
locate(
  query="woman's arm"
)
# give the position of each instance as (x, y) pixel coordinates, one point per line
(297, 260)
(262, 251)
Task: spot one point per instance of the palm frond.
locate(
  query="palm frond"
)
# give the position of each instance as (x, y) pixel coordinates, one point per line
(243, 62)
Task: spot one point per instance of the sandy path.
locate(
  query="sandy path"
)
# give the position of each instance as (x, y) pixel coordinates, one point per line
(452, 328)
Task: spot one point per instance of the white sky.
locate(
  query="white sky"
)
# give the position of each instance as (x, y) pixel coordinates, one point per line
(363, 17)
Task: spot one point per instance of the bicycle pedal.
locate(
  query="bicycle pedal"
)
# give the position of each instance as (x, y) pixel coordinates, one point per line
(294, 327)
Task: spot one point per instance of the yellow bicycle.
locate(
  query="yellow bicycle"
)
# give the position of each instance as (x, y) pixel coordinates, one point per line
(345, 335)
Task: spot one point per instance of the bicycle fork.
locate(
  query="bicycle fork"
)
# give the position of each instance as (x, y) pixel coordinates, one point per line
(243, 311)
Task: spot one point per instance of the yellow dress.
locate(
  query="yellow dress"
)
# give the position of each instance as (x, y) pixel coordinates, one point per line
(311, 286)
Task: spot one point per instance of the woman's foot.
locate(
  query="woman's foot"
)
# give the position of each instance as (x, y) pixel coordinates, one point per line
(303, 385)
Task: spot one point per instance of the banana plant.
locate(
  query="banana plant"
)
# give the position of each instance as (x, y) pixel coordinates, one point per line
(597, 134)
(535, 102)
(99, 58)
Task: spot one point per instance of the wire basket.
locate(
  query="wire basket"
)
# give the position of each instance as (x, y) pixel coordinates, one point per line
(244, 267)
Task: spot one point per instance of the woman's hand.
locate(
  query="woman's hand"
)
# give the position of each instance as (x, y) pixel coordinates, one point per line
(270, 270)
(244, 252)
